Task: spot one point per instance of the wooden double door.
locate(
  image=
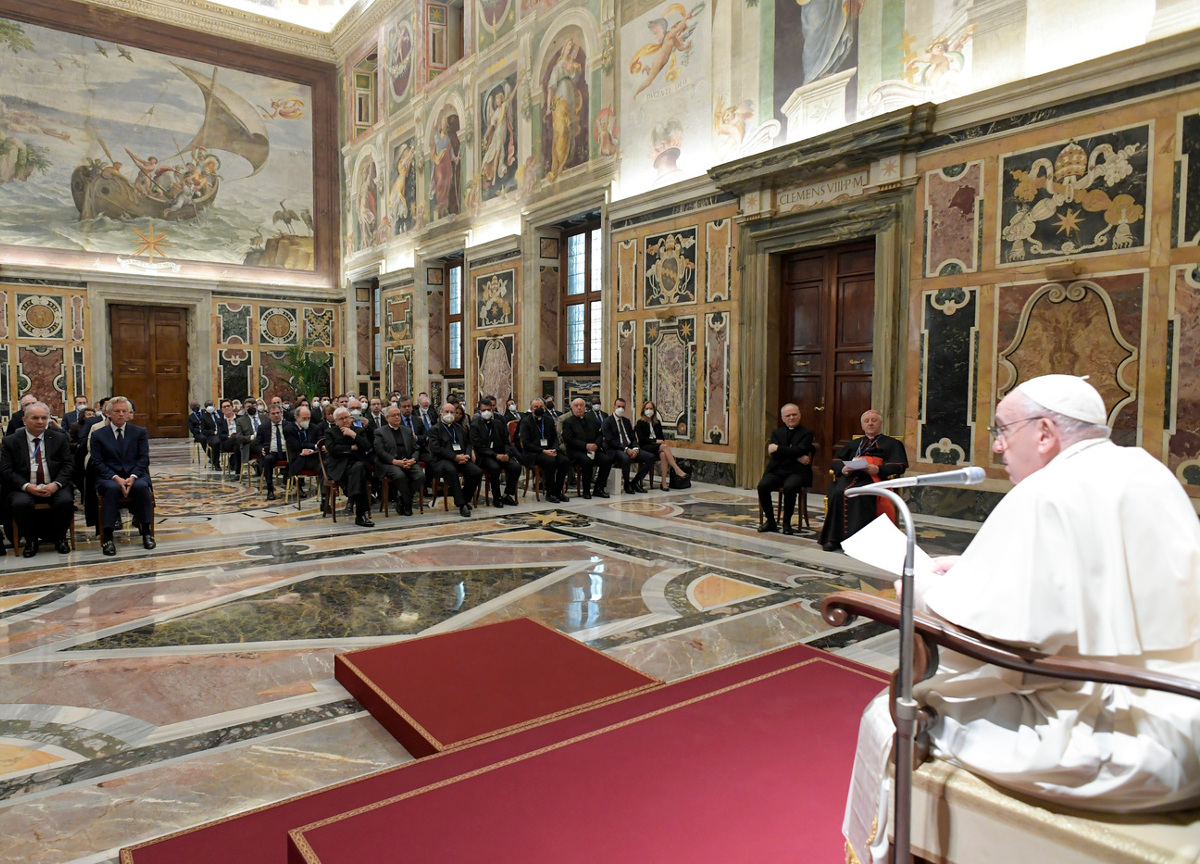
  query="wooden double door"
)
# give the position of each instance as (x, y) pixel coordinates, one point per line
(149, 365)
(826, 343)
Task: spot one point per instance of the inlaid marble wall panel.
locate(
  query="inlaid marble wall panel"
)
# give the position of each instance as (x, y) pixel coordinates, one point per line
(495, 360)
(949, 360)
(1076, 197)
(364, 338)
(718, 259)
(398, 369)
(437, 335)
(1087, 327)
(669, 373)
(626, 274)
(1181, 435)
(716, 353)
(953, 219)
(584, 387)
(675, 327)
(626, 343)
(669, 273)
(253, 338)
(45, 352)
(548, 284)
(490, 319)
(396, 335)
(1187, 180)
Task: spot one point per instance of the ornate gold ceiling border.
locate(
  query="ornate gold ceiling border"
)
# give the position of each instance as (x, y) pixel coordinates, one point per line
(362, 18)
(230, 23)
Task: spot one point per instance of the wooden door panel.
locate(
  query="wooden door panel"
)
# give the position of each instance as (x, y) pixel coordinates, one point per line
(149, 363)
(826, 341)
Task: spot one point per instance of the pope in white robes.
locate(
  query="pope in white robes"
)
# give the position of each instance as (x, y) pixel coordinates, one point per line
(1095, 553)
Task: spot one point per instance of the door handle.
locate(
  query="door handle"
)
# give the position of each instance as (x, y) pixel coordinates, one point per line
(819, 408)
(857, 362)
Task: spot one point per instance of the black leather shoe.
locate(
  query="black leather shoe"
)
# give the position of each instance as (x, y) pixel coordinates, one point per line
(148, 542)
(563, 499)
(498, 502)
(63, 547)
(788, 529)
(108, 547)
(510, 500)
(31, 547)
(601, 493)
(627, 489)
(271, 496)
(587, 496)
(364, 522)
(405, 509)
(464, 511)
(553, 499)
(768, 528)
(639, 488)
(831, 546)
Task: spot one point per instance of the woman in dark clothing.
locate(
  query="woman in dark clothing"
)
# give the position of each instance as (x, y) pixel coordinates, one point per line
(650, 438)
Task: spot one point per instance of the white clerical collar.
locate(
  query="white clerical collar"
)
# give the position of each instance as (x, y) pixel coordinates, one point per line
(1079, 447)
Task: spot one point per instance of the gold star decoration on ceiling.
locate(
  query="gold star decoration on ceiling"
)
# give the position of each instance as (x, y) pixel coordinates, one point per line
(152, 242)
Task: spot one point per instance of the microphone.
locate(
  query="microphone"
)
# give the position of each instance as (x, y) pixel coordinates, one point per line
(962, 477)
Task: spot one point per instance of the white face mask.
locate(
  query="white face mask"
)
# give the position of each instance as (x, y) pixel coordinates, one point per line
(596, 407)
(324, 402)
(512, 407)
(619, 412)
(649, 412)
(211, 409)
(486, 415)
(355, 413)
(448, 418)
(303, 424)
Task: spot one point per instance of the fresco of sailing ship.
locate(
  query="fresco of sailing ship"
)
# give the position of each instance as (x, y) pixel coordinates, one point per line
(186, 184)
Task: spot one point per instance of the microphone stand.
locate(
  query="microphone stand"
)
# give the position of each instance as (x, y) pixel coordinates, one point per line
(905, 707)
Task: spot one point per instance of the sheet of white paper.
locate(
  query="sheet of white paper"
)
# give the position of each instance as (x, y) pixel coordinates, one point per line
(881, 544)
(856, 464)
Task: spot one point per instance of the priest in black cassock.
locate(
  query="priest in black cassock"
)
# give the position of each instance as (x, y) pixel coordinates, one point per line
(789, 465)
(885, 459)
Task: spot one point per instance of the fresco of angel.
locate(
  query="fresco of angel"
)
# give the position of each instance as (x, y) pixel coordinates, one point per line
(671, 49)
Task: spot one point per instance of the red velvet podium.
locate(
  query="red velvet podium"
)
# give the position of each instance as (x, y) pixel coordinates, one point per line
(436, 692)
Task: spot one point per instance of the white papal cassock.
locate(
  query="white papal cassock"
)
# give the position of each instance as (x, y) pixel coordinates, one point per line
(1098, 555)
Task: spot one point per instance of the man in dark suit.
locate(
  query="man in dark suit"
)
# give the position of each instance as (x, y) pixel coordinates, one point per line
(121, 454)
(622, 446)
(539, 446)
(195, 423)
(489, 438)
(425, 413)
(396, 457)
(450, 450)
(73, 417)
(18, 419)
(273, 447)
(301, 438)
(227, 438)
(789, 465)
(511, 414)
(247, 428)
(595, 409)
(36, 466)
(586, 449)
(374, 417)
(346, 455)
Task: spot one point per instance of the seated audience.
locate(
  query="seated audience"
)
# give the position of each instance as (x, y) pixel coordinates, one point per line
(450, 449)
(650, 440)
(885, 458)
(347, 455)
(585, 448)
(789, 465)
(489, 440)
(273, 446)
(396, 458)
(121, 454)
(538, 441)
(36, 467)
(621, 443)
(1094, 553)
(73, 417)
(228, 439)
(301, 438)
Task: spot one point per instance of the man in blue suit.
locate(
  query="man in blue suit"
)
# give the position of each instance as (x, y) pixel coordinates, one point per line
(121, 454)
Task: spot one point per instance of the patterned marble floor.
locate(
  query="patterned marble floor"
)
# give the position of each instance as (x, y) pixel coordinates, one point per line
(157, 690)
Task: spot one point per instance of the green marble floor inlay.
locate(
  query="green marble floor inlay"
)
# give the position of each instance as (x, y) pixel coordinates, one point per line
(333, 607)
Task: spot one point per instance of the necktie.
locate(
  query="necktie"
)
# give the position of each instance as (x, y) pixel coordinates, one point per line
(624, 437)
(278, 441)
(121, 437)
(41, 466)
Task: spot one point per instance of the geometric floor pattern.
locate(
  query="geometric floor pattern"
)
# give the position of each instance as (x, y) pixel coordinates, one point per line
(156, 690)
